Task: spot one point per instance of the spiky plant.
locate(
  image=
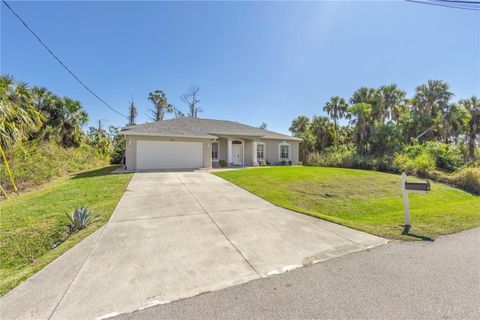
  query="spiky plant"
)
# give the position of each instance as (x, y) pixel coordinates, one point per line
(80, 218)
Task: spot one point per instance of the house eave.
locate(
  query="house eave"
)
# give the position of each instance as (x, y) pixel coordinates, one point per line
(132, 133)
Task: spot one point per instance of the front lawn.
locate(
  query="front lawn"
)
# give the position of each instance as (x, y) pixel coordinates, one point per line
(32, 222)
(365, 200)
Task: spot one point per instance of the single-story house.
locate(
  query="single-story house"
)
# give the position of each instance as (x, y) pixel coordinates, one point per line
(187, 143)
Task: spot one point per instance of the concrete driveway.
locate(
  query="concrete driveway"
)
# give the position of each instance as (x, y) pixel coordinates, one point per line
(174, 235)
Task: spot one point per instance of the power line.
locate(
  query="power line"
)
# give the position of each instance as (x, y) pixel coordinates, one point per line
(61, 62)
(463, 5)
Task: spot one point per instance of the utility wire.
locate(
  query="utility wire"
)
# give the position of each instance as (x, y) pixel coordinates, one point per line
(463, 5)
(61, 62)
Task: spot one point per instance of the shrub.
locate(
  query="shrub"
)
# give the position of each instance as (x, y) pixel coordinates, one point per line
(446, 157)
(262, 163)
(467, 179)
(222, 163)
(79, 219)
(421, 165)
(297, 163)
(36, 162)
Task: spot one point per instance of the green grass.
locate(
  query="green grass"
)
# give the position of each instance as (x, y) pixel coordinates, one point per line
(365, 200)
(32, 222)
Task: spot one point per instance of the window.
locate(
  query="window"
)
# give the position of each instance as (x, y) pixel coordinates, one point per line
(284, 151)
(214, 150)
(260, 151)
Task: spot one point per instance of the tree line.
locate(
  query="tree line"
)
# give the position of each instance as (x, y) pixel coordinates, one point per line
(383, 121)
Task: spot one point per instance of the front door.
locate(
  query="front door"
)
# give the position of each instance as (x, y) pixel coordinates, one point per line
(237, 154)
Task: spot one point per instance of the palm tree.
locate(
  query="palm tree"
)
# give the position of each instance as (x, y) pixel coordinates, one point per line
(454, 122)
(472, 106)
(18, 116)
(301, 128)
(433, 97)
(430, 102)
(391, 99)
(300, 124)
(361, 116)
(159, 100)
(323, 132)
(363, 94)
(74, 118)
(336, 108)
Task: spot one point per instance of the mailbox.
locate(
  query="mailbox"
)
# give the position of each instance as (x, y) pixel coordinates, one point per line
(421, 187)
(415, 187)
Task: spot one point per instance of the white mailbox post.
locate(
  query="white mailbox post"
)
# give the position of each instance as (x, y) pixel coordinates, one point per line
(415, 187)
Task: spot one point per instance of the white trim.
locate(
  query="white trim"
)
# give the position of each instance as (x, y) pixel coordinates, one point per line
(218, 151)
(264, 150)
(243, 150)
(165, 135)
(229, 151)
(289, 151)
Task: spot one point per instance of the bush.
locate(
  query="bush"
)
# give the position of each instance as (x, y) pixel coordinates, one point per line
(297, 163)
(467, 179)
(446, 157)
(33, 163)
(422, 165)
(222, 163)
(262, 164)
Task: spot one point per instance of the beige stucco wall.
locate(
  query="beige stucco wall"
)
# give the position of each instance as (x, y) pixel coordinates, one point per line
(271, 149)
(131, 149)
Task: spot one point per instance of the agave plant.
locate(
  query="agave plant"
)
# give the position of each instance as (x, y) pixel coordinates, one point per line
(80, 218)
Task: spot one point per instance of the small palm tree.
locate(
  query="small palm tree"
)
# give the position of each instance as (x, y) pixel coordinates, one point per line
(336, 108)
(472, 106)
(18, 116)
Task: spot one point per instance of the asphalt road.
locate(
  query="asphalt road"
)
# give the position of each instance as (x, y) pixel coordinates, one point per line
(401, 280)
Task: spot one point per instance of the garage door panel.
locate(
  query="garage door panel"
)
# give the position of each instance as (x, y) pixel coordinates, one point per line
(169, 155)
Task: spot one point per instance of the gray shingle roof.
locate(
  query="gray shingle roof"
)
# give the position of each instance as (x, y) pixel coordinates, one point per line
(204, 128)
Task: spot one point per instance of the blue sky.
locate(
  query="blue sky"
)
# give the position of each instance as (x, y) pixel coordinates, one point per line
(253, 62)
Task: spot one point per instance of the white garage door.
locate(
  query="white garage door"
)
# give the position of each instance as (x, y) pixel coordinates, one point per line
(169, 155)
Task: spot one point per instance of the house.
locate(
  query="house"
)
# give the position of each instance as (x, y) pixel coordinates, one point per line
(187, 142)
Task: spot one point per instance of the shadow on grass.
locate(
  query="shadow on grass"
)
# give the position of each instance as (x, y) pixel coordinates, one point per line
(406, 232)
(95, 173)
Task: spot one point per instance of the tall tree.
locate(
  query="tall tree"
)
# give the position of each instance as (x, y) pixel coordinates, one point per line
(74, 118)
(472, 106)
(191, 99)
(299, 125)
(160, 102)
(324, 132)
(132, 114)
(360, 115)
(391, 99)
(18, 116)
(432, 98)
(301, 128)
(454, 122)
(336, 108)
(430, 103)
(263, 126)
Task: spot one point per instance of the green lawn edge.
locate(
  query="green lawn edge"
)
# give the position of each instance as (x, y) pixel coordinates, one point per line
(464, 206)
(95, 181)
